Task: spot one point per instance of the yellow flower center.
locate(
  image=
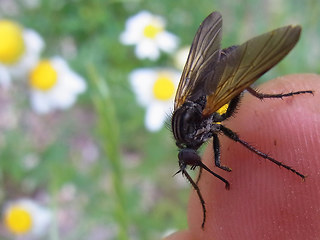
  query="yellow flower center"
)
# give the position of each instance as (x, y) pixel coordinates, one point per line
(18, 220)
(11, 42)
(152, 30)
(43, 76)
(223, 109)
(163, 88)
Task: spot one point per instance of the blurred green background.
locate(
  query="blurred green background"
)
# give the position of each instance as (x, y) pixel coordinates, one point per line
(105, 175)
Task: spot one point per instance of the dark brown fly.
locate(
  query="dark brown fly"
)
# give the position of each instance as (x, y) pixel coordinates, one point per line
(214, 77)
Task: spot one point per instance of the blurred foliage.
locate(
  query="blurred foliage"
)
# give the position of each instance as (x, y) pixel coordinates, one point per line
(69, 147)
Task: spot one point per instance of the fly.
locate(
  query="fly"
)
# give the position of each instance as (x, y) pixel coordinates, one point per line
(213, 79)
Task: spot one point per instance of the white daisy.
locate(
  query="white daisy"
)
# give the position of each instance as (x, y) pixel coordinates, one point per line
(20, 49)
(155, 90)
(54, 85)
(147, 32)
(26, 217)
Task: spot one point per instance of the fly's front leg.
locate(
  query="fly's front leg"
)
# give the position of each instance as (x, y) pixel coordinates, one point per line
(196, 188)
(216, 151)
(199, 176)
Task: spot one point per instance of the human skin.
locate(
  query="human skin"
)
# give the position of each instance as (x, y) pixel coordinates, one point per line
(264, 201)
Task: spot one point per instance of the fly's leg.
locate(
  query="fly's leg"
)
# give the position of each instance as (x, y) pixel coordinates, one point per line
(279, 95)
(216, 151)
(188, 157)
(232, 135)
(199, 175)
(196, 188)
(216, 143)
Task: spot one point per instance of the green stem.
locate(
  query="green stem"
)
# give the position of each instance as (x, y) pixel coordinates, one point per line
(108, 130)
(54, 232)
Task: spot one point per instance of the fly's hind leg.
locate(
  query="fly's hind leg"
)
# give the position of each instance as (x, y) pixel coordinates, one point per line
(232, 135)
(279, 95)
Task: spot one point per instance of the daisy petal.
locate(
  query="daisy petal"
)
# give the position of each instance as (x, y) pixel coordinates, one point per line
(141, 82)
(155, 117)
(39, 102)
(147, 49)
(5, 78)
(34, 41)
(60, 99)
(167, 42)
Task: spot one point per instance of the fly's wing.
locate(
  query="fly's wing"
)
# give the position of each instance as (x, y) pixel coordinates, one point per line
(204, 53)
(243, 65)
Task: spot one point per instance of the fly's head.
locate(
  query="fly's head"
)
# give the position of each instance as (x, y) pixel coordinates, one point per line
(188, 157)
(186, 123)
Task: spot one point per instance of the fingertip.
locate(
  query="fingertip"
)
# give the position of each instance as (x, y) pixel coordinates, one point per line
(264, 197)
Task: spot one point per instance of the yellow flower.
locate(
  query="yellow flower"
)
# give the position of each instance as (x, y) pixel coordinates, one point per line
(18, 220)
(11, 42)
(20, 49)
(43, 77)
(147, 32)
(164, 87)
(152, 30)
(54, 85)
(26, 217)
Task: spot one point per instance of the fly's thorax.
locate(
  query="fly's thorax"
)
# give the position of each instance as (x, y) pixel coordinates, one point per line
(186, 121)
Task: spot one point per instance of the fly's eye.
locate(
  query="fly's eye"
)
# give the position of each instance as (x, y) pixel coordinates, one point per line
(191, 117)
(190, 121)
(190, 128)
(187, 118)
